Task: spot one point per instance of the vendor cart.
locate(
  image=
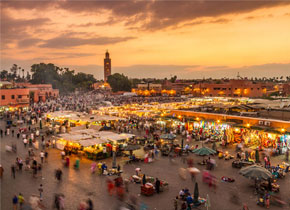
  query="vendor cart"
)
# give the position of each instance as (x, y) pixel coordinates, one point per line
(163, 186)
(265, 185)
(147, 189)
(165, 150)
(177, 150)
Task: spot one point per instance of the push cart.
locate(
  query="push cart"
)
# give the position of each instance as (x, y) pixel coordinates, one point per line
(147, 189)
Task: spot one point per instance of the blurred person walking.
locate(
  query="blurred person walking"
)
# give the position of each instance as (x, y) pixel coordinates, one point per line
(20, 200)
(13, 171)
(40, 189)
(15, 202)
(157, 185)
(110, 186)
(1, 171)
(58, 174)
(42, 156)
(90, 204)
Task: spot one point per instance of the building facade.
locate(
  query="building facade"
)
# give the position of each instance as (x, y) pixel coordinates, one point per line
(284, 89)
(233, 88)
(149, 86)
(39, 92)
(20, 95)
(214, 88)
(107, 66)
(15, 97)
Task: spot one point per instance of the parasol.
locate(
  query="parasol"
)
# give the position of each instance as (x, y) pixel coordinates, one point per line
(169, 136)
(204, 151)
(193, 170)
(137, 170)
(255, 172)
(132, 147)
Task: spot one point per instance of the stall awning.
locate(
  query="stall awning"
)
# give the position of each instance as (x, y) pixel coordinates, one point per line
(74, 137)
(92, 132)
(100, 137)
(90, 142)
(114, 136)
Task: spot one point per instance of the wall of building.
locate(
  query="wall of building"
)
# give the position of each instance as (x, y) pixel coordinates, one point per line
(14, 97)
(285, 89)
(232, 88)
(150, 86)
(40, 92)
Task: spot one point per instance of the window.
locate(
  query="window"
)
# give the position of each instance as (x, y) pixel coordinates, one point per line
(229, 94)
(230, 88)
(252, 88)
(3, 97)
(224, 88)
(19, 96)
(12, 96)
(236, 88)
(258, 88)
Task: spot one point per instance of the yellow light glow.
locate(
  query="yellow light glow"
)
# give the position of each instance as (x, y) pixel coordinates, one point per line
(283, 130)
(248, 125)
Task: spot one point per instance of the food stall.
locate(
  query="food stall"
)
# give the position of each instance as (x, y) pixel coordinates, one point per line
(91, 143)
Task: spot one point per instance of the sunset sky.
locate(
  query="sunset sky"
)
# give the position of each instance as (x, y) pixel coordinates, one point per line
(156, 39)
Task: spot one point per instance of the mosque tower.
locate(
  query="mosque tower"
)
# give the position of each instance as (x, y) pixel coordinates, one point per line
(107, 66)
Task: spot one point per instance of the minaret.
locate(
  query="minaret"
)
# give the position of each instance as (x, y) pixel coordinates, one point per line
(107, 66)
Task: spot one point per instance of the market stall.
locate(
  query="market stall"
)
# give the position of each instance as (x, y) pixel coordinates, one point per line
(91, 143)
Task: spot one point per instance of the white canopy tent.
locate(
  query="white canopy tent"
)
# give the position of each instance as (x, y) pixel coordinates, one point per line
(90, 134)
(90, 142)
(74, 137)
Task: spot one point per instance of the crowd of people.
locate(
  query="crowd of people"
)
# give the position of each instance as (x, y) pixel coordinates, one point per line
(37, 144)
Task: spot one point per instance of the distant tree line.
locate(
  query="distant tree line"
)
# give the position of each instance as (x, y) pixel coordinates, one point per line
(64, 79)
(67, 80)
(16, 73)
(119, 82)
